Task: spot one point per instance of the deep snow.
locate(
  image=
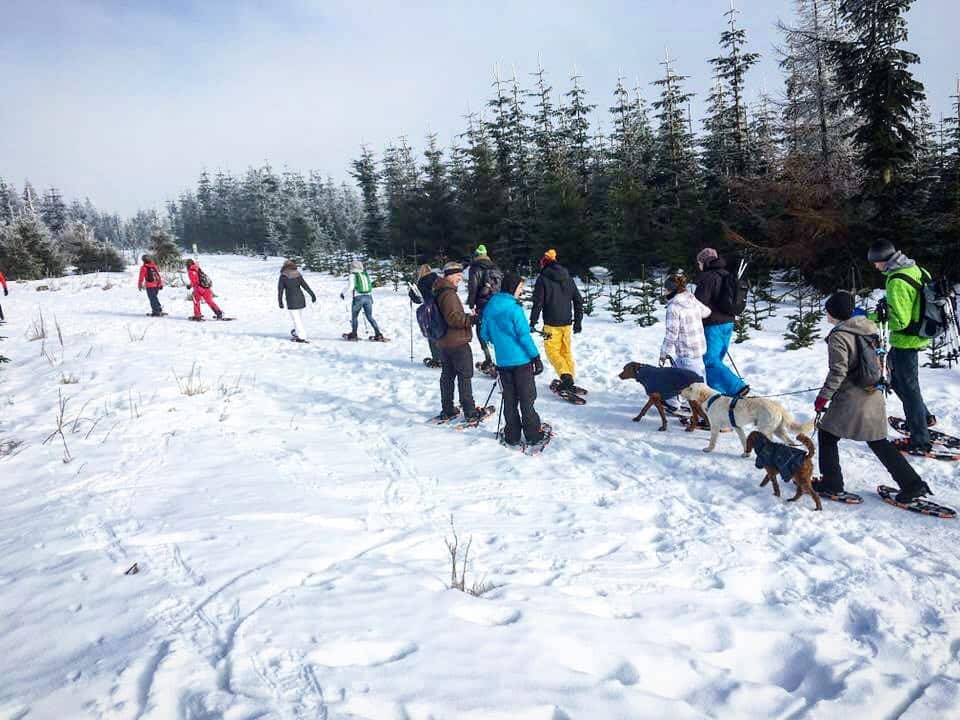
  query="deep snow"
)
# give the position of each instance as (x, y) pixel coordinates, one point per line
(289, 522)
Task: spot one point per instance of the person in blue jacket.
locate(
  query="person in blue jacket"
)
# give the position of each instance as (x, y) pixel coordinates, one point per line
(518, 360)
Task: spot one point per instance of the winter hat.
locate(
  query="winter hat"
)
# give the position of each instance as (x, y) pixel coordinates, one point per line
(840, 305)
(356, 266)
(452, 268)
(674, 284)
(510, 282)
(147, 258)
(288, 265)
(549, 256)
(706, 255)
(881, 251)
(481, 250)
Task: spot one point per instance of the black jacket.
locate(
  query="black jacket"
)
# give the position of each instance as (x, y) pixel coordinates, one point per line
(425, 286)
(290, 284)
(478, 272)
(553, 294)
(709, 286)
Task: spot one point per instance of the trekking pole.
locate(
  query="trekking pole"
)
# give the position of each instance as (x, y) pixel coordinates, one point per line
(410, 304)
(490, 394)
(735, 369)
(500, 411)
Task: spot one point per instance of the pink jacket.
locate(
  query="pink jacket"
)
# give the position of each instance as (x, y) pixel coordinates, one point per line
(684, 333)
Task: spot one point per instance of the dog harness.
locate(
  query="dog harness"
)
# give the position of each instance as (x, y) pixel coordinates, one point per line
(733, 406)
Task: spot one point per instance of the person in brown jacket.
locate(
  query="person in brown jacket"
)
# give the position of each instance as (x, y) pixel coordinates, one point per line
(456, 357)
(855, 412)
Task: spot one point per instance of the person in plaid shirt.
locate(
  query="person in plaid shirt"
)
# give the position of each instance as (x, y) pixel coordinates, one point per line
(684, 340)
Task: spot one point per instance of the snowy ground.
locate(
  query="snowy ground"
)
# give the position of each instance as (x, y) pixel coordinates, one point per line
(289, 525)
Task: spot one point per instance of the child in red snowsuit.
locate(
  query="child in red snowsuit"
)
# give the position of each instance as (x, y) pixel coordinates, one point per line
(202, 290)
(3, 282)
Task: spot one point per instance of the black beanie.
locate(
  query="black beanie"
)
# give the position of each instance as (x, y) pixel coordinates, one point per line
(510, 282)
(881, 251)
(840, 305)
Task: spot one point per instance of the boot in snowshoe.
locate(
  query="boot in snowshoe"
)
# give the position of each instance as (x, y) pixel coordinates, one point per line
(195, 318)
(906, 497)
(351, 336)
(431, 363)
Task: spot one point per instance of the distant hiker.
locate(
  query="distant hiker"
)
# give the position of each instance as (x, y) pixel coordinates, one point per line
(202, 290)
(456, 356)
(855, 411)
(718, 326)
(518, 360)
(904, 282)
(151, 279)
(291, 285)
(683, 341)
(555, 294)
(483, 282)
(423, 292)
(361, 291)
(3, 282)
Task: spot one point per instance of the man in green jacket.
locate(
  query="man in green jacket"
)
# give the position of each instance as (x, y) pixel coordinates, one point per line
(904, 278)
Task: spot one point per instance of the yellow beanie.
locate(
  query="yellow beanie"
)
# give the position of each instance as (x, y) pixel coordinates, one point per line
(551, 255)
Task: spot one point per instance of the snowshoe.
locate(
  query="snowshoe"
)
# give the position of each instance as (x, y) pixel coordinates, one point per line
(224, 318)
(431, 363)
(576, 388)
(378, 338)
(159, 314)
(574, 396)
(917, 505)
(350, 336)
(933, 452)
(938, 438)
(300, 340)
(534, 449)
(443, 419)
(196, 319)
(840, 497)
(475, 420)
(510, 446)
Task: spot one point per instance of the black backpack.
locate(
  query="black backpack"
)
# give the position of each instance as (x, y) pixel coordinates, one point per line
(732, 298)
(867, 372)
(933, 296)
(152, 274)
(204, 280)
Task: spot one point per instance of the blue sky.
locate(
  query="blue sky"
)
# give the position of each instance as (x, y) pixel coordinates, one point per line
(127, 102)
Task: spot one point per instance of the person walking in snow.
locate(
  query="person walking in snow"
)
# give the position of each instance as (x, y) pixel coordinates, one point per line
(456, 357)
(518, 360)
(202, 290)
(718, 326)
(852, 411)
(151, 280)
(555, 294)
(360, 290)
(683, 341)
(904, 283)
(3, 282)
(291, 286)
(421, 293)
(482, 283)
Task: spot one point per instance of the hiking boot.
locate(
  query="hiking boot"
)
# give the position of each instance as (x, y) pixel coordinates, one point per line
(822, 486)
(196, 318)
(931, 420)
(906, 445)
(350, 336)
(566, 382)
(219, 314)
(905, 497)
(743, 392)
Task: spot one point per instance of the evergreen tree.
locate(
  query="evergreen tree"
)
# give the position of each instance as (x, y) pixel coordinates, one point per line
(29, 198)
(577, 133)
(479, 194)
(674, 177)
(7, 206)
(26, 249)
(164, 250)
(367, 177)
(437, 206)
(53, 211)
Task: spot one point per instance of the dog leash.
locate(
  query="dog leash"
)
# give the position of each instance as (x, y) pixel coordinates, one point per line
(795, 392)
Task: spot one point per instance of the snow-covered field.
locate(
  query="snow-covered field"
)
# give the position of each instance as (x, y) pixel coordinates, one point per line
(289, 522)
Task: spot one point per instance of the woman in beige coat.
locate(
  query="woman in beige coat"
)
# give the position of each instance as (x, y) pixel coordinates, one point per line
(855, 412)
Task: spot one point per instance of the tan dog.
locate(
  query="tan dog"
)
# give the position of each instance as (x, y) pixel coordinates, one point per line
(769, 417)
(801, 466)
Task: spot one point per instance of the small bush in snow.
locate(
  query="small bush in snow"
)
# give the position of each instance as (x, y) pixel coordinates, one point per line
(191, 384)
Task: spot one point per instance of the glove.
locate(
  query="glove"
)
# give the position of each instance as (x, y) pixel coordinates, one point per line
(342, 297)
(577, 327)
(820, 404)
(537, 365)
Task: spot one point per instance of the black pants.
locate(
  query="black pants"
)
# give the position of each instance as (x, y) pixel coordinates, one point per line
(831, 476)
(153, 294)
(457, 365)
(519, 394)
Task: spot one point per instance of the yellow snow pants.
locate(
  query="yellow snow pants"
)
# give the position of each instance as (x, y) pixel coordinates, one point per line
(559, 347)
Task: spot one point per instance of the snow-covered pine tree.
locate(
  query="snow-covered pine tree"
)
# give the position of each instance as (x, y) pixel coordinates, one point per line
(591, 291)
(164, 250)
(674, 173)
(803, 328)
(7, 206)
(646, 295)
(367, 177)
(617, 302)
(577, 132)
(437, 208)
(26, 249)
(401, 190)
(53, 211)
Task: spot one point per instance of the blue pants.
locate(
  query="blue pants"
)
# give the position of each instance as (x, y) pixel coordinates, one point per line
(364, 302)
(905, 381)
(719, 376)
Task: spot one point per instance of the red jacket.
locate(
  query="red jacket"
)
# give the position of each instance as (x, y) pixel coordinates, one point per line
(3, 281)
(193, 276)
(142, 280)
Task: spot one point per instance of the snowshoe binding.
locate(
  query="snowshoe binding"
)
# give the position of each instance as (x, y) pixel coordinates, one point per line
(378, 338)
(474, 420)
(350, 337)
(534, 449)
(443, 418)
(487, 368)
(840, 497)
(431, 363)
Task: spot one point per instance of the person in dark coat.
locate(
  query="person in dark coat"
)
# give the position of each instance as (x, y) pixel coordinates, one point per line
(483, 283)
(291, 286)
(423, 292)
(718, 326)
(555, 294)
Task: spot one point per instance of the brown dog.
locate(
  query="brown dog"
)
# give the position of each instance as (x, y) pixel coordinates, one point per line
(652, 378)
(791, 463)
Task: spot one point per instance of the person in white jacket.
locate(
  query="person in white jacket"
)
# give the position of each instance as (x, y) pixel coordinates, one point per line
(683, 341)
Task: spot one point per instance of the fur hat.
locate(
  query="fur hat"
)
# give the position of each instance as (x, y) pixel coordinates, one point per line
(840, 305)
(452, 268)
(510, 282)
(356, 266)
(706, 255)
